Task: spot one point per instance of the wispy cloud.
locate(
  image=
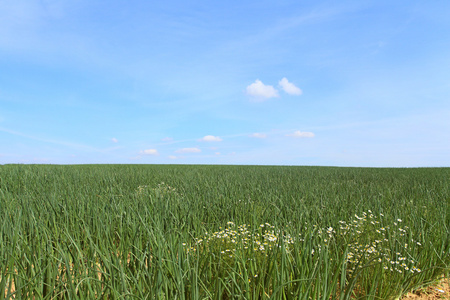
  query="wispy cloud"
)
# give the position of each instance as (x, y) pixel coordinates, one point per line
(261, 91)
(149, 152)
(301, 134)
(167, 139)
(52, 141)
(114, 140)
(289, 87)
(188, 150)
(211, 138)
(258, 135)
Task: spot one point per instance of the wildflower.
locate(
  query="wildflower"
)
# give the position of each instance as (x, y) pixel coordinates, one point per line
(358, 217)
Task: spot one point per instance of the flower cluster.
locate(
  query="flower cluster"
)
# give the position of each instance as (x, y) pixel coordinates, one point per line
(366, 239)
(161, 189)
(369, 241)
(233, 238)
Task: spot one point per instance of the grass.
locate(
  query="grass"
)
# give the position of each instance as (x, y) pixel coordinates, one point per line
(221, 232)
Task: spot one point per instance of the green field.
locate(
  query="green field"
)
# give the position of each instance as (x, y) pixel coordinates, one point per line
(221, 232)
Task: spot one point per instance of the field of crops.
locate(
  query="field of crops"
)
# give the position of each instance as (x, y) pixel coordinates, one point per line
(221, 232)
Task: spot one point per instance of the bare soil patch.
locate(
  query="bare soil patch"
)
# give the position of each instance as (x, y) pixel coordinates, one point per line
(437, 291)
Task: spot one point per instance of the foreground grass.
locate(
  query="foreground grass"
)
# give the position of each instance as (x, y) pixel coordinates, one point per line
(221, 232)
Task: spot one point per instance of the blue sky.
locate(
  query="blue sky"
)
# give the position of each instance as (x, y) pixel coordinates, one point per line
(333, 83)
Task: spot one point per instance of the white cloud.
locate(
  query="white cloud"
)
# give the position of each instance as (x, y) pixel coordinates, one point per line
(167, 139)
(172, 157)
(301, 134)
(114, 140)
(289, 87)
(260, 90)
(188, 150)
(149, 152)
(259, 135)
(211, 138)
(217, 153)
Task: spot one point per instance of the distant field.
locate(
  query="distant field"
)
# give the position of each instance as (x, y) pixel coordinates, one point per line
(221, 232)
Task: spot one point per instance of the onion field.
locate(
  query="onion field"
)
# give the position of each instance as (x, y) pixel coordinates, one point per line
(221, 232)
